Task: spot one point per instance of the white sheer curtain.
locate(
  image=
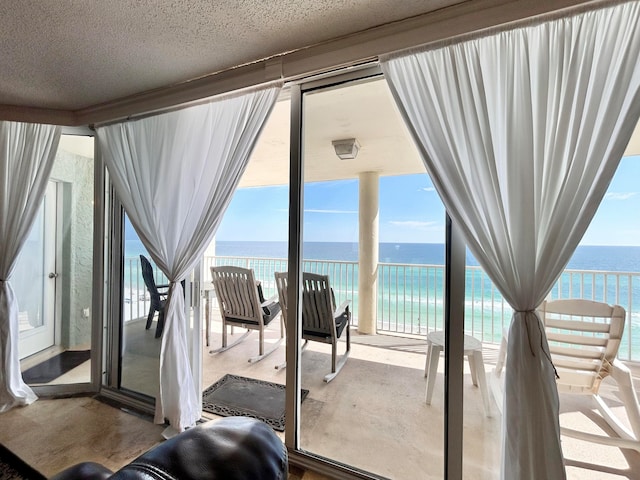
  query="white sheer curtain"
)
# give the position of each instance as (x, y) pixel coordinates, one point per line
(521, 132)
(27, 152)
(175, 174)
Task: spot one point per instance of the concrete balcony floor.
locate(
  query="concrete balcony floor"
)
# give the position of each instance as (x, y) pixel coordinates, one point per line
(372, 415)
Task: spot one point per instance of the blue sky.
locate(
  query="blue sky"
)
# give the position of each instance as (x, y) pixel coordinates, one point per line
(410, 211)
(617, 221)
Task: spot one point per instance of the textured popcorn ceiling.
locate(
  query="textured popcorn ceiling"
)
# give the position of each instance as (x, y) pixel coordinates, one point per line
(72, 54)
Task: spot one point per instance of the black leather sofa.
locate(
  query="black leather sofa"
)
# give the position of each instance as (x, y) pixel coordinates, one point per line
(232, 448)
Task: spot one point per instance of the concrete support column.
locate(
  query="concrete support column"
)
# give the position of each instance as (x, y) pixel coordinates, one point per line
(368, 252)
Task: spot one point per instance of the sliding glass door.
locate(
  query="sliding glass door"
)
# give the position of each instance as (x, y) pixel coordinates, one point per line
(371, 223)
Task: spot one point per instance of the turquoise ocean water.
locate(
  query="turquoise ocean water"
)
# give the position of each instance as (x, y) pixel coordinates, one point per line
(601, 258)
(410, 283)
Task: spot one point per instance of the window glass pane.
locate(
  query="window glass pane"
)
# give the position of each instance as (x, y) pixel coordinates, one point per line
(140, 349)
(374, 226)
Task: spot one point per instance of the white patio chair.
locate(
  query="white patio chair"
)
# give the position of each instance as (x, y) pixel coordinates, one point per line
(584, 337)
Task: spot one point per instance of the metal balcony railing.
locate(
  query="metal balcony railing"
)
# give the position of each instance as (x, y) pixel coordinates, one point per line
(411, 297)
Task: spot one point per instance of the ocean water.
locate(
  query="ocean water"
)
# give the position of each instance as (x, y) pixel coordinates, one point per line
(598, 258)
(410, 282)
(586, 257)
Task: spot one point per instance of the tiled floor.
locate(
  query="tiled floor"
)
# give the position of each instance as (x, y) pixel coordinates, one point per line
(54, 434)
(51, 435)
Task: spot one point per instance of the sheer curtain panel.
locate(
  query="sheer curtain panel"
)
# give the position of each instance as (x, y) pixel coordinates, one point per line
(521, 132)
(175, 174)
(27, 152)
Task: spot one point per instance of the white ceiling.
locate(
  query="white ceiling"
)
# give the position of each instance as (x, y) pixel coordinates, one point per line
(74, 54)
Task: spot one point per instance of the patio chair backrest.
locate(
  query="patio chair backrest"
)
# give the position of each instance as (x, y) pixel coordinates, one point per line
(237, 293)
(317, 304)
(149, 280)
(584, 337)
(281, 287)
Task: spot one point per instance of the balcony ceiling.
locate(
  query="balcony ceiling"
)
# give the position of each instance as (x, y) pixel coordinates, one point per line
(364, 111)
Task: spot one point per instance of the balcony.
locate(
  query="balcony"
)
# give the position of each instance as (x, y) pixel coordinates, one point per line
(373, 415)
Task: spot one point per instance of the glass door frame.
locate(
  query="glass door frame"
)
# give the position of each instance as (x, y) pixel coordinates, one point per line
(113, 312)
(113, 291)
(93, 385)
(455, 258)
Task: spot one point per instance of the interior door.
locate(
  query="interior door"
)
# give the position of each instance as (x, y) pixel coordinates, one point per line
(34, 279)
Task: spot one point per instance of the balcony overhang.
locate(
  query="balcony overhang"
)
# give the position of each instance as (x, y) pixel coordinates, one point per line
(365, 111)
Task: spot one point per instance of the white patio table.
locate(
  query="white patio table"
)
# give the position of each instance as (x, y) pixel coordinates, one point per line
(473, 352)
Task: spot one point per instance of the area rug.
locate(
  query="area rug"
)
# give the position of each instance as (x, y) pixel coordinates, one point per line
(234, 395)
(56, 366)
(13, 468)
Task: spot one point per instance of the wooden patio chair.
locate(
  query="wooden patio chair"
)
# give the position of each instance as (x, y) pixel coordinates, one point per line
(243, 305)
(321, 320)
(158, 296)
(584, 337)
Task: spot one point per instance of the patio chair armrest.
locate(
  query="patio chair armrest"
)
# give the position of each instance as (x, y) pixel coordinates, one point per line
(271, 307)
(620, 372)
(342, 308)
(270, 301)
(622, 375)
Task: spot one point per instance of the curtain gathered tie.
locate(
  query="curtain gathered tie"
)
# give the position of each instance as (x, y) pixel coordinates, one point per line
(216, 140)
(527, 325)
(542, 344)
(470, 107)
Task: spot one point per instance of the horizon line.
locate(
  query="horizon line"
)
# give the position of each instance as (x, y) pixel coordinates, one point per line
(396, 243)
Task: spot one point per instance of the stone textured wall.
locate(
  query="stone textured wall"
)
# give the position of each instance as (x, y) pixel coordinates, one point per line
(75, 174)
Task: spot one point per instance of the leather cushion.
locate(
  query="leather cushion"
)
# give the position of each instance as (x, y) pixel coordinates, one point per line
(84, 471)
(232, 448)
